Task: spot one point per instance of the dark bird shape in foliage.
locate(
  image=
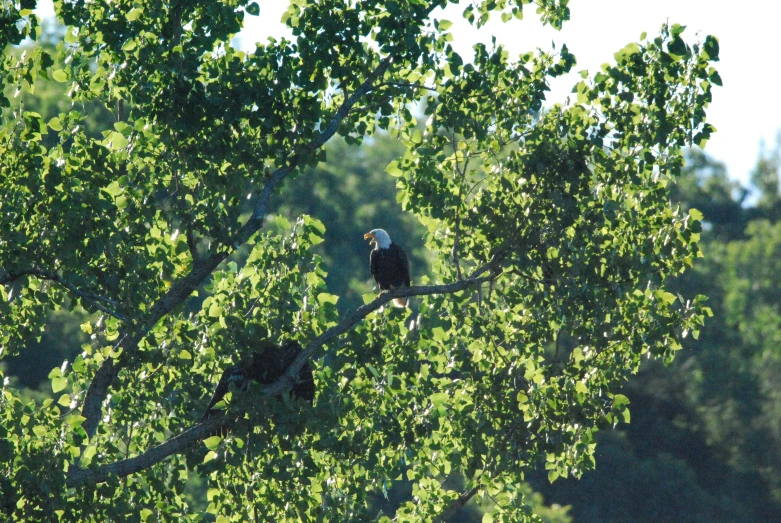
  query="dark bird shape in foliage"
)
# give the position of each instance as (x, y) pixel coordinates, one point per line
(389, 264)
(265, 366)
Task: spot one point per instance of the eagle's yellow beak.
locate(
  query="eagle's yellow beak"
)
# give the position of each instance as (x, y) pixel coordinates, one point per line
(369, 236)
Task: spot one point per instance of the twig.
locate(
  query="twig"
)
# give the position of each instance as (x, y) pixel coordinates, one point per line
(406, 84)
(92, 298)
(458, 503)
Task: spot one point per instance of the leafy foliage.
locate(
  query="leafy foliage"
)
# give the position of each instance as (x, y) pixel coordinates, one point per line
(706, 426)
(551, 235)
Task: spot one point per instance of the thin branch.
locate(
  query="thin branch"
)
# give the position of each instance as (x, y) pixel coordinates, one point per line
(527, 277)
(458, 503)
(465, 496)
(406, 84)
(192, 245)
(462, 172)
(189, 235)
(252, 307)
(284, 383)
(92, 298)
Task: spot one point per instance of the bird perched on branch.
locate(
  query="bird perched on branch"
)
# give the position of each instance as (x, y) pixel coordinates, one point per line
(267, 363)
(389, 264)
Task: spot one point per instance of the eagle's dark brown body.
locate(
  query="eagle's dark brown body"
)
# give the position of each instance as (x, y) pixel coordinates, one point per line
(390, 267)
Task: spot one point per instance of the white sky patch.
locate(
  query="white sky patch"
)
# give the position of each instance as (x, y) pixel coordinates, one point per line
(746, 110)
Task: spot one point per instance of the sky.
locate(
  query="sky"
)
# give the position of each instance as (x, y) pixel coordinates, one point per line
(746, 110)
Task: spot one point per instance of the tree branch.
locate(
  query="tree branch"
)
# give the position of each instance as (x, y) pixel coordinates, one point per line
(284, 383)
(457, 504)
(203, 267)
(92, 298)
(287, 380)
(177, 445)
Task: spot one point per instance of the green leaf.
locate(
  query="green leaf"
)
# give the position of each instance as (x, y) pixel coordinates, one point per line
(58, 384)
(116, 141)
(665, 296)
(695, 214)
(281, 222)
(60, 75)
(620, 401)
(87, 455)
(215, 310)
(393, 169)
(314, 239)
(253, 9)
(213, 442)
(439, 334)
(75, 420)
(711, 48)
(211, 455)
(134, 14)
(313, 279)
(439, 398)
(677, 46)
(626, 52)
(54, 124)
(324, 298)
(314, 222)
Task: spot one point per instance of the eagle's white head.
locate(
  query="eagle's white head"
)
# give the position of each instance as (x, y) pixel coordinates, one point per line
(379, 238)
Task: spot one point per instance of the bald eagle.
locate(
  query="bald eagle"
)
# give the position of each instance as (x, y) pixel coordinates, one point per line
(389, 264)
